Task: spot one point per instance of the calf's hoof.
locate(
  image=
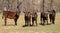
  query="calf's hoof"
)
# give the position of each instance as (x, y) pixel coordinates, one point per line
(15, 24)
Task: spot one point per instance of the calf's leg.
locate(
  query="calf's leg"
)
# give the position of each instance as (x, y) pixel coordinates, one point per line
(5, 21)
(32, 21)
(15, 21)
(36, 22)
(17, 16)
(53, 19)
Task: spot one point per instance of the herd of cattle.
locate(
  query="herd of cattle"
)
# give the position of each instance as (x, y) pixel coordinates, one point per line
(30, 17)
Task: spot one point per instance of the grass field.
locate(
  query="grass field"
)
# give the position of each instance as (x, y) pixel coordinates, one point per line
(11, 28)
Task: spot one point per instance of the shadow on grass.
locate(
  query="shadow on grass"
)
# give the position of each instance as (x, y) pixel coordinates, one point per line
(9, 25)
(29, 26)
(44, 24)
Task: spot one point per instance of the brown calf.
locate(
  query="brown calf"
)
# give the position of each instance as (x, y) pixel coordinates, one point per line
(10, 15)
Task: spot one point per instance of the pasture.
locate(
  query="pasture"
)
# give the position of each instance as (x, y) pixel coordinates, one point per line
(11, 28)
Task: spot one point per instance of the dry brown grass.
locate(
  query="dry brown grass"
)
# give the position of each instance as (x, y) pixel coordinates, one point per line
(10, 28)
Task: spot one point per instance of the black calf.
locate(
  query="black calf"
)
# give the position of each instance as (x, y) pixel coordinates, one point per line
(44, 18)
(52, 16)
(34, 18)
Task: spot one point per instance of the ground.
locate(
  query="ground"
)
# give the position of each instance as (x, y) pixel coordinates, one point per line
(11, 28)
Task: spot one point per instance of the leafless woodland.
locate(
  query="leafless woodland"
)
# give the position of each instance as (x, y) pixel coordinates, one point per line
(29, 5)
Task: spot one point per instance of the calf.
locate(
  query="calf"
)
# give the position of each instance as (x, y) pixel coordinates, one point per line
(34, 18)
(52, 16)
(10, 15)
(27, 18)
(44, 17)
